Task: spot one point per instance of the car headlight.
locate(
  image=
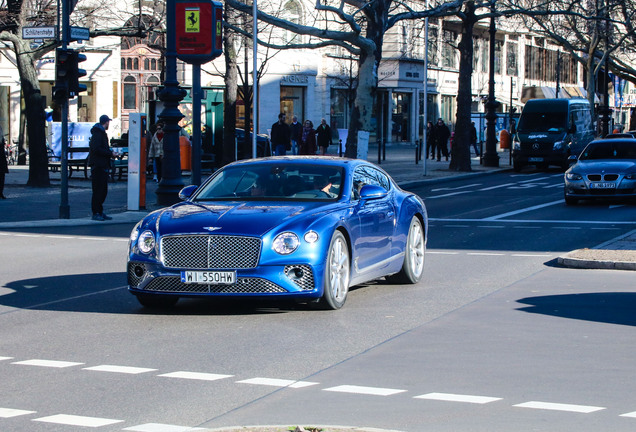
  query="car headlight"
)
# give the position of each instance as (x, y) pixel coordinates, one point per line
(573, 176)
(558, 145)
(285, 243)
(146, 241)
(630, 176)
(516, 145)
(311, 237)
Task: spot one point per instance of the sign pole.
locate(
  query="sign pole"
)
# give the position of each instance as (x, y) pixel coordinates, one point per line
(65, 208)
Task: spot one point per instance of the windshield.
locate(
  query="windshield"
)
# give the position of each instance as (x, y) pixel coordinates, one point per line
(288, 182)
(542, 122)
(609, 150)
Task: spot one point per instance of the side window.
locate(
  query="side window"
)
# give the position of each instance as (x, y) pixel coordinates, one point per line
(367, 175)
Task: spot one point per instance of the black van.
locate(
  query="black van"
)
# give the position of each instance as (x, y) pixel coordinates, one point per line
(550, 130)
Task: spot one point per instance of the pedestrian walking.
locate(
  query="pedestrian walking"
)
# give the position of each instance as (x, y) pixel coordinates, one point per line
(99, 158)
(308, 139)
(4, 167)
(430, 140)
(296, 130)
(473, 137)
(442, 134)
(324, 136)
(155, 152)
(281, 136)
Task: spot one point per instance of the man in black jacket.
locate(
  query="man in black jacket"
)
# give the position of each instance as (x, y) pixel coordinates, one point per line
(442, 134)
(99, 159)
(281, 136)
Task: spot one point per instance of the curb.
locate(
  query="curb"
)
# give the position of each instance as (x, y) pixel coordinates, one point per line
(579, 263)
(282, 428)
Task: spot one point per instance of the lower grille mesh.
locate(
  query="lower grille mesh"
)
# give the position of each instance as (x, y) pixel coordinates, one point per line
(173, 284)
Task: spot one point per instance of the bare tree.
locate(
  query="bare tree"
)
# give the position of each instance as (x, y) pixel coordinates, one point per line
(362, 27)
(16, 14)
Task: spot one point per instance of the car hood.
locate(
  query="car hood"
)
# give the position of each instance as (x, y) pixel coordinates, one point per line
(250, 219)
(616, 166)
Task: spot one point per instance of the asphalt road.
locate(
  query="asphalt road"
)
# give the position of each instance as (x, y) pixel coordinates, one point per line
(496, 337)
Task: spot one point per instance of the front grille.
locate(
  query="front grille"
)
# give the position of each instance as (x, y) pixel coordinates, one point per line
(210, 251)
(599, 177)
(173, 284)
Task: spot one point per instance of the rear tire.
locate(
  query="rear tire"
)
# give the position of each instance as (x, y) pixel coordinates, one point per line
(413, 267)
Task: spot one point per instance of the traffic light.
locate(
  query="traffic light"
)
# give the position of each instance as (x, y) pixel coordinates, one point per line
(75, 72)
(63, 64)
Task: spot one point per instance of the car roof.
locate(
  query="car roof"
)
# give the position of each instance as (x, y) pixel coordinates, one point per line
(610, 141)
(619, 135)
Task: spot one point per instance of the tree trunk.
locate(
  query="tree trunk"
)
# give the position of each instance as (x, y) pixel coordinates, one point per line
(460, 151)
(229, 96)
(35, 117)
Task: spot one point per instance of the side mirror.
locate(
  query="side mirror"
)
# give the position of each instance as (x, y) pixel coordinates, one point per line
(187, 192)
(369, 192)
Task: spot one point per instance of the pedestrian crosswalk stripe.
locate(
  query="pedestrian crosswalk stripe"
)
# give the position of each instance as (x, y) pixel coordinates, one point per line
(449, 397)
(74, 420)
(119, 369)
(560, 407)
(377, 391)
(277, 382)
(195, 376)
(10, 412)
(159, 427)
(48, 363)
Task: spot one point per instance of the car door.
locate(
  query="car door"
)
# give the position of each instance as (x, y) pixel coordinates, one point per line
(374, 220)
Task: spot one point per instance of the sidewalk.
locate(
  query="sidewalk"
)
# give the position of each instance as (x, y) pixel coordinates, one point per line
(28, 207)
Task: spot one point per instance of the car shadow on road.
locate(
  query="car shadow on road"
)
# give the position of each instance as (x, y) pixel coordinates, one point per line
(611, 308)
(107, 293)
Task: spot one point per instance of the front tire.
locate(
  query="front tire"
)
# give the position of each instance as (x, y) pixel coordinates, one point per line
(413, 267)
(570, 200)
(337, 273)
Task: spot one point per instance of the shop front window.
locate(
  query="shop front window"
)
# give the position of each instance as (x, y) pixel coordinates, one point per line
(292, 103)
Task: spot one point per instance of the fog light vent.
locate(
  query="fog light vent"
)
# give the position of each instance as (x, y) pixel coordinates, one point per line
(301, 275)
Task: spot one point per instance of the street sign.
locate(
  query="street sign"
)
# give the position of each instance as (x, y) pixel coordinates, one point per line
(199, 36)
(80, 33)
(39, 32)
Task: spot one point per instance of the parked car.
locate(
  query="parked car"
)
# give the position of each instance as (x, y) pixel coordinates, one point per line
(263, 147)
(605, 169)
(304, 228)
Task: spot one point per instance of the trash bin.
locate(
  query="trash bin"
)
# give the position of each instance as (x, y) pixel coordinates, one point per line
(504, 140)
(185, 148)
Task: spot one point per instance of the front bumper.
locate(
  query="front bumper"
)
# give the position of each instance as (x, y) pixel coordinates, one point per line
(585, 189)
(293, 280)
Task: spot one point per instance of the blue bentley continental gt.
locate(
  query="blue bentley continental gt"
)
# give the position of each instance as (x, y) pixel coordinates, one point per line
(303, 228)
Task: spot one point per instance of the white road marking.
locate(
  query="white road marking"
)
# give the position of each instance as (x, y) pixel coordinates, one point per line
(491, 226)
(525, 210)
(74, 420)
(449, 397)
(456, 188)
(376, 391)
(47, 363)
(441, 252)
(159, 427)
(195, 376)
(567, 228)
(531, 255)
(119, 369)
(447, 195)
(585, 409)
(278, 382)
(496, 187)
(485, 254)
(629, 414)
(10, 412)
(531, 221)
(457, 226)
(5, 358)
(526, 227)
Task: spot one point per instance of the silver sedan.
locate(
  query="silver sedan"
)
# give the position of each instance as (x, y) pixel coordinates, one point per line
(605, 169)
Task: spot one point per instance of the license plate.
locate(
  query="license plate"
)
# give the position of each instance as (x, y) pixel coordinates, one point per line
(603, 185)
(209, 277)
(535, 159)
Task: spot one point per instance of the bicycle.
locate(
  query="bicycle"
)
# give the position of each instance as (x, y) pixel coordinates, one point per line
(11, 152)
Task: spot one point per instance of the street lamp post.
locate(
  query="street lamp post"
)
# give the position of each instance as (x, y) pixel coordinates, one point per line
(491, 158)
(171, 94)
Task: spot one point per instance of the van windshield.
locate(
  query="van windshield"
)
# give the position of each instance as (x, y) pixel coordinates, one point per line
(542, 122)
